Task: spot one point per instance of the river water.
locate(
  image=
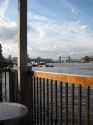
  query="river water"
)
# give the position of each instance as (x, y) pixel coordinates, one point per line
(69, 68)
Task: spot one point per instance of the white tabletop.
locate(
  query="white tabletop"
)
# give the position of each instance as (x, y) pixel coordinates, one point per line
(12, 111)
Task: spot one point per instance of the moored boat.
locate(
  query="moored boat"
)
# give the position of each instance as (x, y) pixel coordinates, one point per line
(33, 64)
(42, 64)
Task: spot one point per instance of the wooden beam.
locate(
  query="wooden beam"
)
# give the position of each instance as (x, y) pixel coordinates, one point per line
(22, 51)
(70, 78)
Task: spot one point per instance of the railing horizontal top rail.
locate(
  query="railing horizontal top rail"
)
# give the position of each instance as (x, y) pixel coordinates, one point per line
(14, 70)
(4, 69)
(70, 78)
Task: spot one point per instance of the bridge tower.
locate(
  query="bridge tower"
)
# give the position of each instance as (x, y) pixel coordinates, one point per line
(64, 57)
(59, 59)
(68, 59)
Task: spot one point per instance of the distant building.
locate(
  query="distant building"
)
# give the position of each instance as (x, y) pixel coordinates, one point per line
(10, 57)
(91, 58)
(73, 60)
(68, 59)
(82, 60)
(39, 59)
(85, 59)
(59, 59)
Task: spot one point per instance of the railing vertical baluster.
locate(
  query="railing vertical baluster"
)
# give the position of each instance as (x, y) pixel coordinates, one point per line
(43, 101)
(47, 99)
(31, 99)
(72, 104)
(17, 88)
(51, 102)
(55, 102)
(37, 104)
(79, 105)
(14, 88)
(87, 104)
(40, 103)
(0, 86)
(60, 103)
(10, 88)
(66, 103)
(34, 102)
(5, 88)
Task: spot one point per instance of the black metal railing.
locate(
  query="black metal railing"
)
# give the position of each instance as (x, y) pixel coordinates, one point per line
(13, 85)
(61, 101)
(8, 85)
(53, 98)
(4, 82)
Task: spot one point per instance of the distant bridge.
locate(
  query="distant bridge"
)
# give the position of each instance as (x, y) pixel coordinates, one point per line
(64, 57)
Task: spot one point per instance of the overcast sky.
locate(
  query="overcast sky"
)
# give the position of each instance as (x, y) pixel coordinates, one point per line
(55, 28)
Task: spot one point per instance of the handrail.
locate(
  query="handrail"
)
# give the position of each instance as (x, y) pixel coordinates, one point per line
(70, 78)
(4, 69)
(8, 70)
(14, 70)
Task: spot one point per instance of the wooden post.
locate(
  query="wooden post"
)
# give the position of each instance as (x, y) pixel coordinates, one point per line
(22, 54)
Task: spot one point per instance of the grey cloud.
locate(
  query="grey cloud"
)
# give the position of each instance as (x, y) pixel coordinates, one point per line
(30, 28)
(7, 33)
